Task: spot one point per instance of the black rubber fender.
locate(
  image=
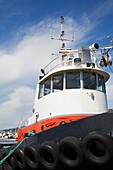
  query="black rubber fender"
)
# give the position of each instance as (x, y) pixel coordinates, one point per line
(13, 164)
(69, 151)
(48, 155)
(19, 159)
(31, 156)
(97, 148)
(6, 166)
(7, 162)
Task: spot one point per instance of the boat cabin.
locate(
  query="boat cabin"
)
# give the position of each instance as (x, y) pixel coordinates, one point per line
(71, 87)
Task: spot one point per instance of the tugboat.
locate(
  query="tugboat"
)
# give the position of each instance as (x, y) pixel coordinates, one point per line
(71, 126)
(71, 90)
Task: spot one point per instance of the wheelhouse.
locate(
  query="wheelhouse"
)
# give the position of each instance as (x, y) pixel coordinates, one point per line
(72, 80)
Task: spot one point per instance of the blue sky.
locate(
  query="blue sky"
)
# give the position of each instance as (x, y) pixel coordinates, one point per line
(18, 15)
(25, 46)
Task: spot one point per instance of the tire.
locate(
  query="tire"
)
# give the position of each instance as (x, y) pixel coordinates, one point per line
(31, 156)
(69, 151)
(6, 166)
(19, 159)
(7, 162)
(13, 164)
(97, 148)
(48, 155)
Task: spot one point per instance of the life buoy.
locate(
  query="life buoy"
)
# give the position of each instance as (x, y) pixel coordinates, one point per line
(69, 151)
(97, 148)
(48, 155)
(31, 156)
(19, 158)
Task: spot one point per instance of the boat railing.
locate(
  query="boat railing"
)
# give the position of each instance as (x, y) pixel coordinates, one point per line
(58, 62)
(23, 123)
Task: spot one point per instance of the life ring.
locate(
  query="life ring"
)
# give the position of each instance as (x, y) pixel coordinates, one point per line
(48, 155)
(31, 156)
(97, 148)
(69, 151)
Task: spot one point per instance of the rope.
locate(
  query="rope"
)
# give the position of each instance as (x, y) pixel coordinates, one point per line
(31, 133)
(6, 147)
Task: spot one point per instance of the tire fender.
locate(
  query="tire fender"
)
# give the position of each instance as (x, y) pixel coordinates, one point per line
(48, 155)
(97, 148)
(31, 156)
(19, 158)
(69, 151)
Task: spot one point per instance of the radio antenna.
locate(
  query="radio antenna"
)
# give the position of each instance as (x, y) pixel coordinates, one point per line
(111, 39)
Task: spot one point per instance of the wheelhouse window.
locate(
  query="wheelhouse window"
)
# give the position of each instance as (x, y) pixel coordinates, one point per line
(47, 86)
(40, 90)
(101, 83)
(58, 82)
(89, 80)
(72, 80)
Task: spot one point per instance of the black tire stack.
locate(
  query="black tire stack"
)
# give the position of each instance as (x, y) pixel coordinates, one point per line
(95, 151)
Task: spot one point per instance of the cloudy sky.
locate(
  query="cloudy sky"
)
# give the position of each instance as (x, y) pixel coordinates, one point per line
(25, 46)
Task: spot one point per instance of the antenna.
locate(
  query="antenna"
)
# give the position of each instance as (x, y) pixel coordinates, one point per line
(108, 47)
(62, 34)
(64, 52)
(73, 37)
(110, 39)
(62, 30)
(106, 59)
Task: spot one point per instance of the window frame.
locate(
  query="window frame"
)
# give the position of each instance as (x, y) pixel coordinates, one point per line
(41, 90)
(103, 86)
(89, 83)
(55, 75)
(46, 80)
(78, 78)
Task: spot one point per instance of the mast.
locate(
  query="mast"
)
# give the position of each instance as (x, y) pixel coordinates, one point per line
(62, 25)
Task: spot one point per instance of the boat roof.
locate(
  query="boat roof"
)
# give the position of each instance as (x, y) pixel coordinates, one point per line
(81, 59)
(74, 68)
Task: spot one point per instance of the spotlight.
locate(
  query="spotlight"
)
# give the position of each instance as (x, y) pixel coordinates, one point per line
(94, 46)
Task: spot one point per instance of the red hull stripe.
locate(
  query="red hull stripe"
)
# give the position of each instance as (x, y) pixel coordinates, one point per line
(47, 124)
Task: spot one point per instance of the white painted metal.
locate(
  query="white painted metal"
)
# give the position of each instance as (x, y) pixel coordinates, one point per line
(71, 101)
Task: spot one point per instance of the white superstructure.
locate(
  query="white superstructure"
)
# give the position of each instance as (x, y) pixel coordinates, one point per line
(74, 86)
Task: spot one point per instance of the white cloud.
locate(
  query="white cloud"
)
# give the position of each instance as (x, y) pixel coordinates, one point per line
(103, 9)
(20, 67)
(18, 105)
(19, 74)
